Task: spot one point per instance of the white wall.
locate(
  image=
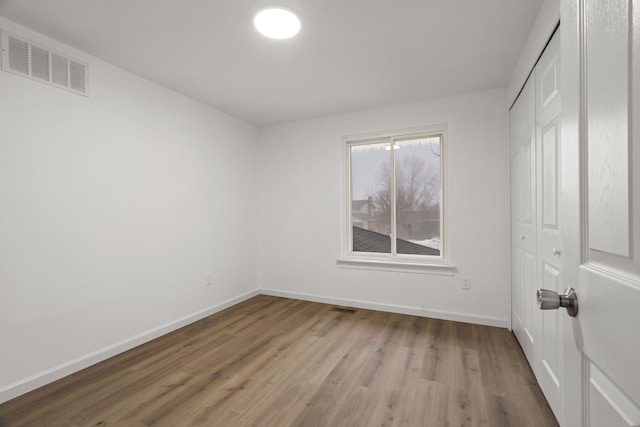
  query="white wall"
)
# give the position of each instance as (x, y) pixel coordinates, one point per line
(113, 209)
(300, 213)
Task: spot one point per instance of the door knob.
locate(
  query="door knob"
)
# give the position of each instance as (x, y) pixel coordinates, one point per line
(556, 251)
(550, 300)
(521, 237)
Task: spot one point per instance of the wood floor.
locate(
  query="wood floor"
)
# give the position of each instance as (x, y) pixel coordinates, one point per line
(280, 362)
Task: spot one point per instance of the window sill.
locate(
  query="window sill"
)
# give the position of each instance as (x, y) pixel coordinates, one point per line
(401, 266)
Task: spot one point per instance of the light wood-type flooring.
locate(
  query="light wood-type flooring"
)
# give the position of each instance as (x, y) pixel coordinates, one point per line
(281, 362)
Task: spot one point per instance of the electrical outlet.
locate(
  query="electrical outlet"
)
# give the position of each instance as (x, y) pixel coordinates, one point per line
(466, 283)
(209, 281)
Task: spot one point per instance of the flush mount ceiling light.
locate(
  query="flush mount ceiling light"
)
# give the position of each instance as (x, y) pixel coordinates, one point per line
(277, 23)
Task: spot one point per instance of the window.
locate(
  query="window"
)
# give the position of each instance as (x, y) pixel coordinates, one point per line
(395, 199)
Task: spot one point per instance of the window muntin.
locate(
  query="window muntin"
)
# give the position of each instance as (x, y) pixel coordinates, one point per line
(395, 192)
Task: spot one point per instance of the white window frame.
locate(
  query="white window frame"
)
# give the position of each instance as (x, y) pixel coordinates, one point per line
(441, 264)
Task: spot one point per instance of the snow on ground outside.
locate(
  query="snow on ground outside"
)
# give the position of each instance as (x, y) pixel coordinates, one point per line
(430, 243)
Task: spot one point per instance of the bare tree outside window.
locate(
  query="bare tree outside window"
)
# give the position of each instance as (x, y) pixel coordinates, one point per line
(417, 201)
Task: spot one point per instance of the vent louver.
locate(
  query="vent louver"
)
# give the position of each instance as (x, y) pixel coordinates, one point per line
(40, 63)
(59, 69)
(20, 56)
(76, 76)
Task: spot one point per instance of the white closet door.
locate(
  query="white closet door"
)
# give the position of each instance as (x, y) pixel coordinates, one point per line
(536, 238)
(523, 218)
(549, 348)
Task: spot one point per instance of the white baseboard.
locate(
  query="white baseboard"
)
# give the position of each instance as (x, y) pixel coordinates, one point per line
(415, 311)
(38, 380)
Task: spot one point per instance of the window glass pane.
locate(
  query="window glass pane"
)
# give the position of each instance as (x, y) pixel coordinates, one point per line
(418, 196)
(370, 198)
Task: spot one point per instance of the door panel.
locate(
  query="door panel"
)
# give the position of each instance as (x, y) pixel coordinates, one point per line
(602, 182)
(549, 244)
(526, 183)
(550, 332)
(522, 136)
(528, 287)
(607, 88)
(550, 176)
(609, 304)
(515, 182)
(607, 406)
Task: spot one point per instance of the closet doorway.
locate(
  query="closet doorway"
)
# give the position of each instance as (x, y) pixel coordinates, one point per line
(536, 245)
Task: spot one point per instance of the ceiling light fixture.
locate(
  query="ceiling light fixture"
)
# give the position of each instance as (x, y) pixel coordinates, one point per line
(277, 23)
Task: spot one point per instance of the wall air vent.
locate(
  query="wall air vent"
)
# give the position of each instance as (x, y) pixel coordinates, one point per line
(24, 58)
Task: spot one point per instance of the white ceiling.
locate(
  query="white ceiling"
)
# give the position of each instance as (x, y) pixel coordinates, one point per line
(350, 54)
